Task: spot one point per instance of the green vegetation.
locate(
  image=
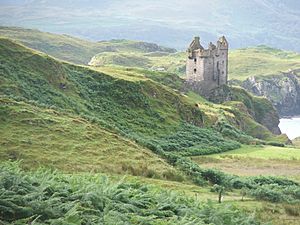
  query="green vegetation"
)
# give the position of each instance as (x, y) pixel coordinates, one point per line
(45, 197)
(253, 61)
(296, 141)
(120, 120)
(190, 140)
(168, 62)
(253, 160)
(73, 49)
(264, 152)
(52, 138)
(261, 61)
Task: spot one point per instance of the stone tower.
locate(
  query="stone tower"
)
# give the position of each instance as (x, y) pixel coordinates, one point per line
(207, 69)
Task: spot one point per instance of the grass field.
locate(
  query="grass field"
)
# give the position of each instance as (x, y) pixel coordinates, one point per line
(256, 160)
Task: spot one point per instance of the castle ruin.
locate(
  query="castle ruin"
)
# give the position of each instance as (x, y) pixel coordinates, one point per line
(207, 69)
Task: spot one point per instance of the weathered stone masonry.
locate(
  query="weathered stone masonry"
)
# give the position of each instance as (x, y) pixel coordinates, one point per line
(207, 69)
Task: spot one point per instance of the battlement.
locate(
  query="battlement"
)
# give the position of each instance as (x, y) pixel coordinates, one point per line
(207, 68)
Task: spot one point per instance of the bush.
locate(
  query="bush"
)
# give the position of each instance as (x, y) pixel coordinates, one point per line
(268, 194)
(45, 197)
(190, 140)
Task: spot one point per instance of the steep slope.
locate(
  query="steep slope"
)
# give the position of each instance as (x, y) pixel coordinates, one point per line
(70, 143)
(123, 100)
(139, 108)
(283, 90)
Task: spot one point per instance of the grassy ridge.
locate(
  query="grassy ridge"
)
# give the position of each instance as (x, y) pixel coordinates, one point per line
(70, 143)
(261, 61)
(73, 49)
(141, 106)
(252, 61)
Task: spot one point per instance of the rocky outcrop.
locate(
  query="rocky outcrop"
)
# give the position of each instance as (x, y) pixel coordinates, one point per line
(261, 109)
(282, 90)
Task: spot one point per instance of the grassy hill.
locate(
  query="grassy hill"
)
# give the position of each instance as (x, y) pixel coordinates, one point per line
(253, 61)
(119, 121)
(261, 61)
(58, 140)
(243, 63)
(73, 49)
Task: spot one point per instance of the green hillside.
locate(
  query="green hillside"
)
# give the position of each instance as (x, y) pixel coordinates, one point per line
(261, 61)
(113, 97)
(126, 121)
(70, 143)
(252, 61)
(73, 49)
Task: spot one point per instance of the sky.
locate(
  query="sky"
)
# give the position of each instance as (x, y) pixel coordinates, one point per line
(168, 22)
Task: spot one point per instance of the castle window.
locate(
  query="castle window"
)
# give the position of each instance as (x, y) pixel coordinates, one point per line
(222, 72)
(195, 59)
(223, 61)
(195, 70)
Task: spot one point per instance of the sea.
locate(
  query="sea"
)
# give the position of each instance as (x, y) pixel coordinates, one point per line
(290, 126)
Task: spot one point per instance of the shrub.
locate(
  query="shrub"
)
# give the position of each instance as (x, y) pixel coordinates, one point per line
(45, 197)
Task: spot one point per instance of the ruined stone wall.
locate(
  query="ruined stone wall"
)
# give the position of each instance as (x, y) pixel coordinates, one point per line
(223, 65)
(207, 68)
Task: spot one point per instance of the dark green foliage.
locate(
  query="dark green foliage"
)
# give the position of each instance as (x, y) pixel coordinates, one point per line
(273, 143)
(231, 132)
(142, 107)
(277, 193)
(261, 180)
(190, 140)
(45, 197)
(287, 189)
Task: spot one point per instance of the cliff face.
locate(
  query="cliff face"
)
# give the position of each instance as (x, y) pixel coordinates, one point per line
(259, 108)
(282, 90)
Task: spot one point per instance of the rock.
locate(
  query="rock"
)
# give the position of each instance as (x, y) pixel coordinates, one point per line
(261, 109)
(282, 90)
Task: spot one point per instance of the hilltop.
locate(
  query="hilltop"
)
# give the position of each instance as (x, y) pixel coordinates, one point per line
(75, 50)
(243, 63)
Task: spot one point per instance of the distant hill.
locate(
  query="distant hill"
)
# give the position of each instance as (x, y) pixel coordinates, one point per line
(243, 63)
(261, 61)
(73, 49)
(171, 23)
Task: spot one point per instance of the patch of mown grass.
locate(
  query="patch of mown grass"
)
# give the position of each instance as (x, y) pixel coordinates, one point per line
(264, 152)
